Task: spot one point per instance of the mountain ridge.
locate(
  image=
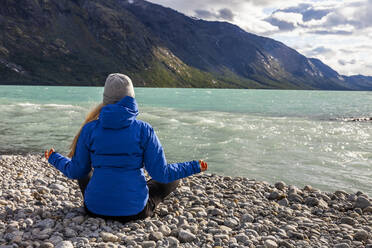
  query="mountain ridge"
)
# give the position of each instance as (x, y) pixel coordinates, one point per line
(79, 42)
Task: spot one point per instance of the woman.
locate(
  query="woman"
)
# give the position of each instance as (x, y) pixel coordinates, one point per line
(110, 153)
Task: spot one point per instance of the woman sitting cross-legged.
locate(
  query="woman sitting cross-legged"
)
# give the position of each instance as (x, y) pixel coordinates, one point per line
(111, 152)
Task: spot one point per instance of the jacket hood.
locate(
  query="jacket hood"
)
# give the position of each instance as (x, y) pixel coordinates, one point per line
(120, 114)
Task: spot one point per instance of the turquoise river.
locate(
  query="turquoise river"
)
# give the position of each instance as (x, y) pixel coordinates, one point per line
(299, 137)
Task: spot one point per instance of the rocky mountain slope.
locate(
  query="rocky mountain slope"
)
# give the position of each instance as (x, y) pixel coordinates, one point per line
(79, 42)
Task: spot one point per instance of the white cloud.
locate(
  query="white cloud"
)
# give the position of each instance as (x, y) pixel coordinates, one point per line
(316, 23)
(258, 27)
(294, 18)
(342, 28)
(222, 14)
(248, 14)
(351, 51)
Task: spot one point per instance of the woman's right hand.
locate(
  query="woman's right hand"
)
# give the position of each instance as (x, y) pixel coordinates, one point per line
(203, 165)
(47, 154)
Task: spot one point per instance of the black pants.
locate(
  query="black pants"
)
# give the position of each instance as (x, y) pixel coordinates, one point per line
(157, 193)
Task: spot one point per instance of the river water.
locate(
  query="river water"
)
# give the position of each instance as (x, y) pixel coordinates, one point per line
(299, 137)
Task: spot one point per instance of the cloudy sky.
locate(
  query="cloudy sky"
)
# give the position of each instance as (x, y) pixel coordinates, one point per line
(337, 32)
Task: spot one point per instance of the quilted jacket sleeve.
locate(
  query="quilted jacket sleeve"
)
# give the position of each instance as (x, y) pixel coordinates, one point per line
(79, 165)
(156, 164)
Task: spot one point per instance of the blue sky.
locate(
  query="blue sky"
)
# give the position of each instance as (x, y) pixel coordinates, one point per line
(337, 32)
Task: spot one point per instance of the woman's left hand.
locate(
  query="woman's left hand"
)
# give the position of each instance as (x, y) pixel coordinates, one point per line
(47, 154)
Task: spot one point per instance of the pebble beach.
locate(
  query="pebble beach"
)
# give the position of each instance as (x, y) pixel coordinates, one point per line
(40, 207)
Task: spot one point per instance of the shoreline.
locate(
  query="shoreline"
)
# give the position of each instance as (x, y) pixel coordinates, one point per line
(42, 208)
(322, 188)
(88, 84)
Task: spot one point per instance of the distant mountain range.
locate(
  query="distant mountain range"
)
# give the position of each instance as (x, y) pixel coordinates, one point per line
(79, 42)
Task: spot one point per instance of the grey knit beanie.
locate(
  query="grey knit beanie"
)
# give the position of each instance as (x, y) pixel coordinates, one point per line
(117, 86)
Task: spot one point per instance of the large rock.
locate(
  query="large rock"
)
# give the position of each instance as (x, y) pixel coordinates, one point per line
(295, 235)
(270, 244)
(57, 186)
(368, 210)
(46, 223)
(108, 237)
(246, 218)
(185, 236)
(225, 229)
(78, 219)
(342, 245)
(241, 238)
(274, 195)
(347, 220)
(173, 242)
(308, 188)
(70, 233)
(280, 185)
(165, 230)
(231, 222)
(217, 211)
(362, 202)
(65, 244)
(155, 236)
(312, 201)
(323, 204)
(361, 235)
(43, 190)
(148, 244)
(295, 198)
(283, 202)
(46, 245)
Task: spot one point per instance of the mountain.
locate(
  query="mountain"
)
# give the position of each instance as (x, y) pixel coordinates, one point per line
(356, 82)
(359, 82)
(79, 42)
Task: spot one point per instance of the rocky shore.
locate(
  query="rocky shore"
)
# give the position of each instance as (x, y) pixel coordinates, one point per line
(39, 207)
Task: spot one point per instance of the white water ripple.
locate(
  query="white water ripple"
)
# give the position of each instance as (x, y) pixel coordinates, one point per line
(294, 136)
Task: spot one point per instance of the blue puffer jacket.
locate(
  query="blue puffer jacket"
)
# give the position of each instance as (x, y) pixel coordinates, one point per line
(119, 147)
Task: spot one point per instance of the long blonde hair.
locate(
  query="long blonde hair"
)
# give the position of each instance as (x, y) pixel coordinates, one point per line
(91, 116)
